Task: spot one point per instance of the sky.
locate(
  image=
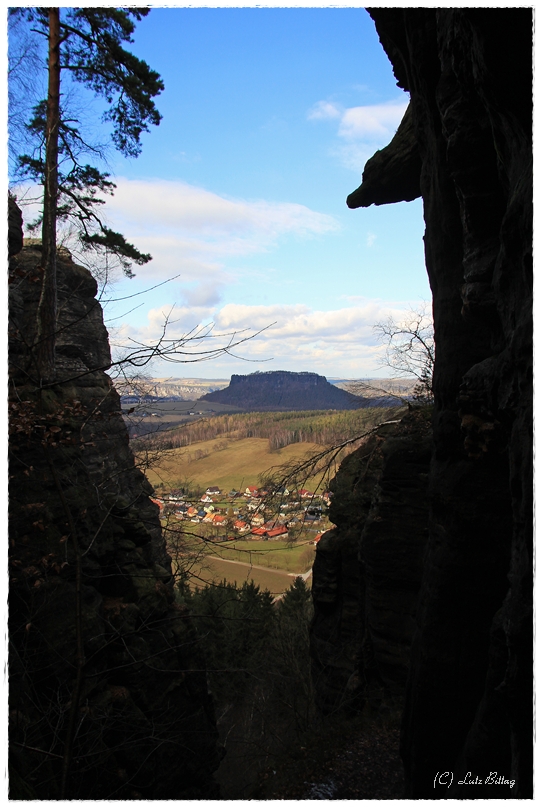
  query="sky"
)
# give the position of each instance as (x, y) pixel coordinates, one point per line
(269, 115)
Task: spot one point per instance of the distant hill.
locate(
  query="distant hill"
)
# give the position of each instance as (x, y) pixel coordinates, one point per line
(279, 390)
(168, 389)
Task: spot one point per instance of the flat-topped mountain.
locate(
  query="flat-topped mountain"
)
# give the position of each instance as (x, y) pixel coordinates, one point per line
(282, 390)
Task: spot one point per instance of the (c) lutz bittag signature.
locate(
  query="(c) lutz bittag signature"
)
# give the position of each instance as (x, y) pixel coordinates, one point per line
(445, 778)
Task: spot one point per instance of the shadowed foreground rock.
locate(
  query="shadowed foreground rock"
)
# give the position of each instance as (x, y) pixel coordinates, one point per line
(468, 132)
(368, 569)
(107, 689)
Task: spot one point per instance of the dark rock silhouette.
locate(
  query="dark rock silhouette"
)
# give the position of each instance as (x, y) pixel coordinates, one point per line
(280, 390)
(91, 586)
(467, 139)
(367, 571)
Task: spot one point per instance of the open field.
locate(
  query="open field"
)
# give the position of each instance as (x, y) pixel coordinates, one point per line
(215, 570)
(229, 464)
(295, 558)
(272, 565)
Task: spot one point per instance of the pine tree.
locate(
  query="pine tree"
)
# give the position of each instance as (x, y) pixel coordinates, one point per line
(88, 43)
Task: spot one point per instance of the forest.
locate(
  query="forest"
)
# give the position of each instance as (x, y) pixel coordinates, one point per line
(281, 428)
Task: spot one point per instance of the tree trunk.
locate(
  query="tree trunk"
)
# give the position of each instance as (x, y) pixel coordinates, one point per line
(46, 314)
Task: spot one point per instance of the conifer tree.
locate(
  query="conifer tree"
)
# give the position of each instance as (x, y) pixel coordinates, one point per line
(88, 43)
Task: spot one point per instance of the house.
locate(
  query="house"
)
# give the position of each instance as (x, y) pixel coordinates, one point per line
(209, 518)
(206, 499)
(158, 502)
(306, 494)
(213, 491)
(258, 520)
(279, 533)
(258, 534)
(219, 520)
(251, 491)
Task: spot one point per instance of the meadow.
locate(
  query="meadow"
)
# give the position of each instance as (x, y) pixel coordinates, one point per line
(295, 558)
(226, 463)
(215, 571)
(271, 565)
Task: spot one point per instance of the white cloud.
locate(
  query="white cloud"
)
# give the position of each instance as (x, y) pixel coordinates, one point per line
(203, 294)
(324, 110)
(197, 236)
(338, 343)
(370, 239)
(236, 224)
(361, 129)
(195, 233)
(374, 123)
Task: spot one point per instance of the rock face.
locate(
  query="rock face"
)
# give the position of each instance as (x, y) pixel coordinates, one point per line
(367, 571)
(468, 138)
(282, 391)
(108, 695)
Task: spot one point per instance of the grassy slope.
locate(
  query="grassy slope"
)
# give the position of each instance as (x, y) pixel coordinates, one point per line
(274, 554)
(237, 465)
(214, 572)
(240, 561)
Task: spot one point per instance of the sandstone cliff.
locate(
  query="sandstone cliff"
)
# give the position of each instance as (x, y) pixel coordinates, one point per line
(465, 146)
(367, 571)
(108, 695)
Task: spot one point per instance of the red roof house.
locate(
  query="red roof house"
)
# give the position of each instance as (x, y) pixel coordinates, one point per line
(278, 532)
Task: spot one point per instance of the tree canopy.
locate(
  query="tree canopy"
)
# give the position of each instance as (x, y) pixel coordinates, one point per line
(90, 47)
(86, 44)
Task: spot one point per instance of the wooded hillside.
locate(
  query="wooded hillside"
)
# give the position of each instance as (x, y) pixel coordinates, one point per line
(281, 428)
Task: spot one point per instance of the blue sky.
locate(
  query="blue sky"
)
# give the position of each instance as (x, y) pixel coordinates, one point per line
(268, 118)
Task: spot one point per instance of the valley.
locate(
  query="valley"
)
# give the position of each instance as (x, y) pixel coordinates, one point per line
(239, 508)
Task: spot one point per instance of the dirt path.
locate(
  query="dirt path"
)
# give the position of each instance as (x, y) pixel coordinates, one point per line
(304, 576)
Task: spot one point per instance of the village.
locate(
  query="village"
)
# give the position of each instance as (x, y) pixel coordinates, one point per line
(252, 514)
